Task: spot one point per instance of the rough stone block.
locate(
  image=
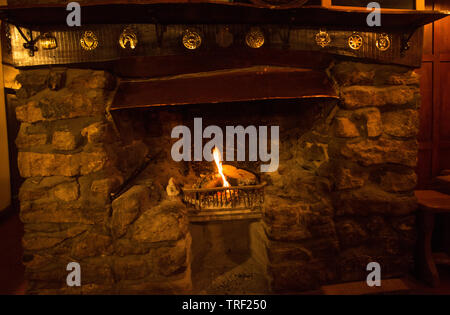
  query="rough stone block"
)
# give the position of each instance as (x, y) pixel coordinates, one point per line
(52, 211)
(358, 73)
(367, 96)
(350, 233)
(371, 200)
(105, 186)
(98, 132)
(166, 222)
(56, 80)
(40, 240)
(81, 80)
(64, 140)
(91, 244)
(127, 207)
(29, 112)
(32, 81)
(409, 78)
(398, 182)
(67, 191)
(382, 150)
(345, 128)
(40, 188)
(403, 123)
(281, 252)
(349, 178)
(27, 139)
(173, 260)
(295, 222)
(372, 120)
(32, 164)
(130, 268)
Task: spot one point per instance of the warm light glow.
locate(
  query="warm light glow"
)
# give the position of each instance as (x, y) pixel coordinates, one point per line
(217, 159)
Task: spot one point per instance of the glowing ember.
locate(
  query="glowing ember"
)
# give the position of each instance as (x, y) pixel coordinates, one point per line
(218, 160)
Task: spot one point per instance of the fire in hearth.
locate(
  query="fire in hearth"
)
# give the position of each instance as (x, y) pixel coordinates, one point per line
(218, 160)
(227, 193)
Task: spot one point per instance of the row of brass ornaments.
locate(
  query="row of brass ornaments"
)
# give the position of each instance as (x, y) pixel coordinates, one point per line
(191, 39)
(254, 38)
(355, 41)
(128, 39)
(224, 38)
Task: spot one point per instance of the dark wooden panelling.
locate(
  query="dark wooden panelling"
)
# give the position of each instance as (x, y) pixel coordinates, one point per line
(428, 40)
(424, 167)
(444, 125)
(443, 28)
(444, 159)
(425, 158)
(426, 109)
(442, 46)
(434, 140)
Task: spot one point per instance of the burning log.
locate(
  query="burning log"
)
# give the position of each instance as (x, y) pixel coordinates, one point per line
(212, 182)
(242, 177)
(235, 177)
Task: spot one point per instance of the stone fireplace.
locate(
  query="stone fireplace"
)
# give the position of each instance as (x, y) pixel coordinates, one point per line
(340, 199)
(101, 187)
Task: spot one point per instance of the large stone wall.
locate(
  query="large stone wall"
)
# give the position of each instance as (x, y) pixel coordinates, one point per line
(341, 198)
(72, 159)
(343, 195)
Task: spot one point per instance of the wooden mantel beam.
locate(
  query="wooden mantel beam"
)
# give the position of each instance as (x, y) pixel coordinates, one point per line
(182, 12)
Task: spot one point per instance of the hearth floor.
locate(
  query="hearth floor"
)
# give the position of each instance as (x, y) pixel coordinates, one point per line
(245, 278)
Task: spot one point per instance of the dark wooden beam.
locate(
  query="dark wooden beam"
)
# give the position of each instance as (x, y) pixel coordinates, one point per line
(156, 66)
(201, 13)
(249, 84)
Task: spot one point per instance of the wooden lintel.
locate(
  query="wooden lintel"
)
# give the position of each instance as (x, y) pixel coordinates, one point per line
(250, 84)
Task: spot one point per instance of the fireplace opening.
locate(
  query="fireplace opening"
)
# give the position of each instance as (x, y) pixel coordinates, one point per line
(231, 206)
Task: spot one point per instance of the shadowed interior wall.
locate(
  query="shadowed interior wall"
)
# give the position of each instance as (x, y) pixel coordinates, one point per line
(434, 136)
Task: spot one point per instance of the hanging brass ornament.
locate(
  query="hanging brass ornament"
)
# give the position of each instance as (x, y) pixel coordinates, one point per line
(255, 38)
(323, 39)
(128, 38)
(192, 39)
(355, 41)
(383, 42)
(89, 41)
(48, 41)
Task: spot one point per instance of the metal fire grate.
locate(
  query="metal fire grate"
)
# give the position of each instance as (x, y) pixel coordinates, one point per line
(225, 203)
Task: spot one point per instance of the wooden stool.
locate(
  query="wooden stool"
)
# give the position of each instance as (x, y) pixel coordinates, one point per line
(430, 203)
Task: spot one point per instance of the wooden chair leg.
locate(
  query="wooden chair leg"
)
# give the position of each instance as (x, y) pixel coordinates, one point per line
(426, 266)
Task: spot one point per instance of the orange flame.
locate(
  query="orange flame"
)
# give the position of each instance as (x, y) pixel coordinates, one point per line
(217, 159)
